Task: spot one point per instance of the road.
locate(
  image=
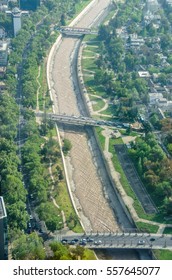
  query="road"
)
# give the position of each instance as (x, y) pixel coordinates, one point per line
(75, 120)
(121, 240)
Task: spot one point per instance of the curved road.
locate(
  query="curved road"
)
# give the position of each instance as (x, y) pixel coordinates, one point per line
(90, 195)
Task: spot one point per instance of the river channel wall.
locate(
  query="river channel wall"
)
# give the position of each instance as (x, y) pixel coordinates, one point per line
(49, 67)
(147, 254)
(91, 131)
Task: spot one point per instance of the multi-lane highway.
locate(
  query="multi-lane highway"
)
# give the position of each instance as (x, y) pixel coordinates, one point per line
(120, 240)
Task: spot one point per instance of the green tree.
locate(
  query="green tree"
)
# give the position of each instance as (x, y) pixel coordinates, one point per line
(28, 247)
(66, 146)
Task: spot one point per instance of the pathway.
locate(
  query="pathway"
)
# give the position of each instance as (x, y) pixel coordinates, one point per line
(38, 89)
(115, 175)
(53, 199)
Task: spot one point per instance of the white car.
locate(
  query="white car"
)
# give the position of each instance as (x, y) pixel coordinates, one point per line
(141, 242)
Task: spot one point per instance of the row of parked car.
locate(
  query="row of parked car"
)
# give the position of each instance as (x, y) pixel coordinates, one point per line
(81, 242)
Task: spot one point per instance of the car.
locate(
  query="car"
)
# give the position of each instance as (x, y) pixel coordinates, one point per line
(29, 225)
(97, 242)
(64, 240)
(76, 240)
(141, 242)
(152, 239)
(72, 242)
(90, 239)
(81, 242)
(84, 240)
(31, 217)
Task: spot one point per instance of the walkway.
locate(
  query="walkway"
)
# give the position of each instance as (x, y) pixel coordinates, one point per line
(38, 89)
(115, 175)
(52, 198)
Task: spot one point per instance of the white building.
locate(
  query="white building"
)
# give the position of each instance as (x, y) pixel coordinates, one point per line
(3, 53)
(16, 13)
(16, 16)
(144, 74)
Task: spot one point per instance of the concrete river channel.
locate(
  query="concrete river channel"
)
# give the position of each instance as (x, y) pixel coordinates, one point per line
(93, 192)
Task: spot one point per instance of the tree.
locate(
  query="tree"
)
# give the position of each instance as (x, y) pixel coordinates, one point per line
(60, 251)
(63, 20)
(66, 146)
(28, 247)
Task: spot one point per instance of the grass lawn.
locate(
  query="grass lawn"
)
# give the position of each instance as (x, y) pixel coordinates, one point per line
(89, 255)
(147, 227)
(78, 8)
(81, 5)
(110, 110)
(163, 254)
(100, 137)
(63, 200)
(89, 64)
(88, 53)
(97, 103)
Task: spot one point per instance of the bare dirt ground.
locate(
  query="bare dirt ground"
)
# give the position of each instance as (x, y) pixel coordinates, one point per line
(86, 183)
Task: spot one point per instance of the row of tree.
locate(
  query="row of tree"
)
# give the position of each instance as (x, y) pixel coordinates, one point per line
(155, 170)
(11, 185)
(27, 51)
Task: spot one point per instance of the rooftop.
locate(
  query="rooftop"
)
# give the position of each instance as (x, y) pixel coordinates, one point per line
(3, 46)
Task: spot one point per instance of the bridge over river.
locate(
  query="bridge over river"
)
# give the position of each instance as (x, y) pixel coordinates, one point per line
(77, 31)
(78, 120)
(125, 240)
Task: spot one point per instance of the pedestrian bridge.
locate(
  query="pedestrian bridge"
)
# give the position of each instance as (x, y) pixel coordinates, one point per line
(76, 120)
(77, 31)
(119, 240)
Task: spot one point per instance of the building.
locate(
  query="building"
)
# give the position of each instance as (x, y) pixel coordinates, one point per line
(152, 6)
(3, 53)
(2, 33)
(2, 72)
(144, 74)
(29, 4)
(3, 231)
(3, 2)
(154, 97)
(134, 41)
(16, 16)
(2, 86)
(3, 5)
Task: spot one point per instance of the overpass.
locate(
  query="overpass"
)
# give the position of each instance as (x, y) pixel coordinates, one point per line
(77, 120)
(77, 31)
(123, 240)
